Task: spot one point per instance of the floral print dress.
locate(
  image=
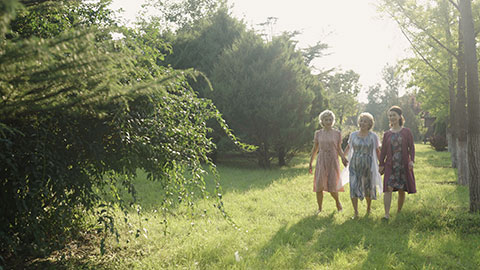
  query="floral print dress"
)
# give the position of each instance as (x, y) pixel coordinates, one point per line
(398, 178)
(363, 178)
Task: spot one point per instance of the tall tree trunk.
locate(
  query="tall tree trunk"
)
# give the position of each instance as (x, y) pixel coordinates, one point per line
(461, 113)
(263, 156)
(473, 104)
(281, 156)
(451, 131)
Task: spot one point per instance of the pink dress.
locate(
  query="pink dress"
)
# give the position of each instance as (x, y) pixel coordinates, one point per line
(327, 170)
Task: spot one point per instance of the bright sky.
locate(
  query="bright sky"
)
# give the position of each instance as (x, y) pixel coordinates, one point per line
(358, 38)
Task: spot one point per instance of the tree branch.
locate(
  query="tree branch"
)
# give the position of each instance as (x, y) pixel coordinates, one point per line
(425, 30)
(415, 49)
(454, 4)
(29, 3)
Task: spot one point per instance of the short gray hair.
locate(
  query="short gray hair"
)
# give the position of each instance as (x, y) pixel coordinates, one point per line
(325, 114)
(369, 116)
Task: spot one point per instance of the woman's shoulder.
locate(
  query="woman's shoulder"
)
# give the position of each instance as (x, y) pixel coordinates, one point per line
(354, 133)
(372, 134)
(387, 132)
(406, 130)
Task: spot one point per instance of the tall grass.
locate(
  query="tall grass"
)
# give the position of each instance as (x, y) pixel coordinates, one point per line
(275, 226)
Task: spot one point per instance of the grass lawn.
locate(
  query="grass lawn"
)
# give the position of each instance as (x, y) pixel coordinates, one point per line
(276, 227)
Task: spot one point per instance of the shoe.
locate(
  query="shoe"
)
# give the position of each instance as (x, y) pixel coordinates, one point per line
(318, 212)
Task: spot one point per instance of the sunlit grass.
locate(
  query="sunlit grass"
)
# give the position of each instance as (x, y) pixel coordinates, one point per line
(276, 228)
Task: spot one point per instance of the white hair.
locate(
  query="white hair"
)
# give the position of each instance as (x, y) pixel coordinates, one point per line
(369, 116)
(324, 114)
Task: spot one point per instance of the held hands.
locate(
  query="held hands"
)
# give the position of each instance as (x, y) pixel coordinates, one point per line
(344, 161)
(381, 170)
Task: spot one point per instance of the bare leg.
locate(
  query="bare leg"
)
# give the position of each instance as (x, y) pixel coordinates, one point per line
(401, 200)
(369, 203)
(320, 200)
(337, 201)
(387, 201)
(355, 206)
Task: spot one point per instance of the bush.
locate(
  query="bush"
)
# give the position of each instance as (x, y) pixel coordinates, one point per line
(77, 120)
(438, 142)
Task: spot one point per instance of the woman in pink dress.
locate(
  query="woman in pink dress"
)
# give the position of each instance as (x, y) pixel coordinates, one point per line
(396, 160)
(327, 148)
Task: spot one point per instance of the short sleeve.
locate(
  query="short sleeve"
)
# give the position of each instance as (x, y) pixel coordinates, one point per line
(376, 141)
(350, 138)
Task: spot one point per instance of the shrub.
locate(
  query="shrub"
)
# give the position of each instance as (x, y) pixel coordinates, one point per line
(438, 142)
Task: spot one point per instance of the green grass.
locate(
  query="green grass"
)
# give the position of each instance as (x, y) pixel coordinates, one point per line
(277, 229)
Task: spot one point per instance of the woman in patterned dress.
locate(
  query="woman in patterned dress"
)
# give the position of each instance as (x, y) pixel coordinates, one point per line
(396, 160)
(363, 150)
(327, 148)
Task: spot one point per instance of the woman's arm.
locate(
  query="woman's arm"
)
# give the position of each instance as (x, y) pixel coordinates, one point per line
(345, 152)
(340, 151)
(377, 145)
(314, 153)
(411, 149)
(383, 153)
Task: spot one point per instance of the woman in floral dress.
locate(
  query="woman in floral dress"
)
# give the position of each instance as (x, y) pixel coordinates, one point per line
(363, 150)
(327, 148)
(397, 156)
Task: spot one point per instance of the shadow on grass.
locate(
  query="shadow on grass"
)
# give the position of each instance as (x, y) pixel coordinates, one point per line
(60, 265)
(314, 241)
(243, 180)
(232, 178)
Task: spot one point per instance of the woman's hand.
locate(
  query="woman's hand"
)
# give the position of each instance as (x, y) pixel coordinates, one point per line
(410, 165)
(381, 170)
(310, 169)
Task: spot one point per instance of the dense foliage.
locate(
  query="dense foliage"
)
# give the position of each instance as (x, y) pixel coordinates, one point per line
(80, 114)
(251, 94)
(343, 88)
(265, 91)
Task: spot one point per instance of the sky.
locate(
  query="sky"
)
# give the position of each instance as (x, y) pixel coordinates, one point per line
(359, 39)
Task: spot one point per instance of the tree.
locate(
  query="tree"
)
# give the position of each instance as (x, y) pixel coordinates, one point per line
(200, 46)
(81, 114)
(473, 103)
(432, 69)
(264, 90)
(461, 112)
(48, 19)
(174, 15)
(342, 89)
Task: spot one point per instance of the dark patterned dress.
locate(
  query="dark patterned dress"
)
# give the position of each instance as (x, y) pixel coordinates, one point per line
(362, 183)
(398, 178)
